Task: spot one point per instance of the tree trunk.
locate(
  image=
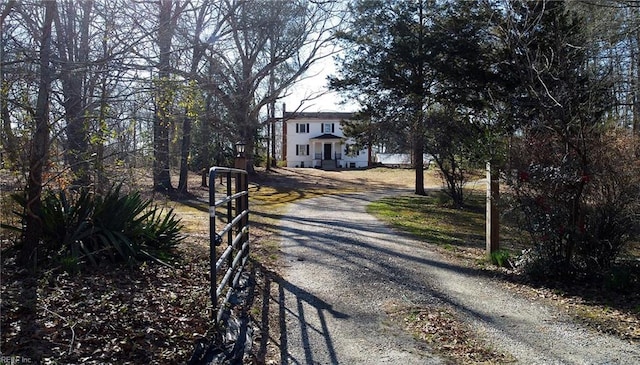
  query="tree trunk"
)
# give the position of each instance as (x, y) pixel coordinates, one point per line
(185, 148)
(40, 146)
(161, 119)
(268, 152)
(492, 215)
(418, 144)
(636, 90)
(250, 149)
(184, 156)
(418, 152)
(73, 78)
(369, 144)
(274, 160)
(419, 165)
(76, 152)
(204, 174)
(161, 168)
(101, 178)
(205, 140)
(247, 131)
(9, 140)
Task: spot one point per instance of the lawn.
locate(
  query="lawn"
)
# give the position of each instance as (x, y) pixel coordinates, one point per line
(433, 220)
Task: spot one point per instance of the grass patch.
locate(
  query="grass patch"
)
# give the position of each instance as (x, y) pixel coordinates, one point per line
(193, 216)
(609, 305)
(276, 196)
(427, 218)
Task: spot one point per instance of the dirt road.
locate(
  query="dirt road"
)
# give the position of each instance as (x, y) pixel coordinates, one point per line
(344, 270)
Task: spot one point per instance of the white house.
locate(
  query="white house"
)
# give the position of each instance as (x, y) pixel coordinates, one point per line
(317, 140)
(401, 159)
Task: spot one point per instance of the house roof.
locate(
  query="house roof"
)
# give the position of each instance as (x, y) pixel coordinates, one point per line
(326, 136)
(317, 115)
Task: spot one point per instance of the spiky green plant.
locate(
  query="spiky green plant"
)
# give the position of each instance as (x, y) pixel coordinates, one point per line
(87, 227)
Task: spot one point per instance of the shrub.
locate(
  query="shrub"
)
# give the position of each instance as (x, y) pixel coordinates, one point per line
(623, 279)
(579, 210)
(161, 231)
(501, 258)
(82, 226)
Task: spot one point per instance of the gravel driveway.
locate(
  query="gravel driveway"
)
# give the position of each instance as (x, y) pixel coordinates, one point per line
(344, 269)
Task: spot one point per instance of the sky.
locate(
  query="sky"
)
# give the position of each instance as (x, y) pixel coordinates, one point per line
(315, 83)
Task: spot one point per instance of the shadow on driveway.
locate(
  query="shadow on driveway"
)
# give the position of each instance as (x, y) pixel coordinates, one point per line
(278, 296)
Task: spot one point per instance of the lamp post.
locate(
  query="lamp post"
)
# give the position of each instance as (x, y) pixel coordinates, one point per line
(241, 183)
(240, 160)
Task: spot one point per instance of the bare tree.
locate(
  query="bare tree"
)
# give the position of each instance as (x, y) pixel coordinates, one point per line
(263, 49)
(72, 22)
(169, 11)
(197, 48)
(9, 141)
(40, 142)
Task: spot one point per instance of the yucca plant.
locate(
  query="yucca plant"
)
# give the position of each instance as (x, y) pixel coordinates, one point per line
(86, 227)
(119, 219)
(161, 231)
(64, 219)
(67, 222)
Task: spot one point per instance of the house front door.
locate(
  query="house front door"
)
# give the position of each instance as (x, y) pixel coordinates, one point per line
(327, 151)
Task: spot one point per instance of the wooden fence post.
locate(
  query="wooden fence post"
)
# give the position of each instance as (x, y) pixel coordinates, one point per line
(492, 218)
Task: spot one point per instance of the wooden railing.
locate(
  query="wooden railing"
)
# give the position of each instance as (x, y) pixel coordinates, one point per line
(228, 228)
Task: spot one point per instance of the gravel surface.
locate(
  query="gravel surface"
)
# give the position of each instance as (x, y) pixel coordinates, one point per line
(344, 270)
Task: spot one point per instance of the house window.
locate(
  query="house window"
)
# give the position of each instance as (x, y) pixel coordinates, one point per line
(328, 128)
(302, 127)
(302, 150)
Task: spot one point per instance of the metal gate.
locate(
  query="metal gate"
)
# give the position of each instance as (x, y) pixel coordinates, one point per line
(228, 228)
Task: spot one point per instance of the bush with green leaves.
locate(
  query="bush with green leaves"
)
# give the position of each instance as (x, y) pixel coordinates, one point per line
(501, 258)
(87, 227)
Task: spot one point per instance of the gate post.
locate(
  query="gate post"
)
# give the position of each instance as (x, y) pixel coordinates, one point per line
(212, 240)
(492, 217)
(229, 264)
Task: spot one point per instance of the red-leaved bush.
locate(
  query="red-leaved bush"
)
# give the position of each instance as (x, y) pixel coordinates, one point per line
(578, 199)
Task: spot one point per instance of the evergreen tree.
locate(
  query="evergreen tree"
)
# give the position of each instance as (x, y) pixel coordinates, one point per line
(386, 66)
(410, 62)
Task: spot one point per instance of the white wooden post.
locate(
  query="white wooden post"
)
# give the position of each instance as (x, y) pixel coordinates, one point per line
(492, 218)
